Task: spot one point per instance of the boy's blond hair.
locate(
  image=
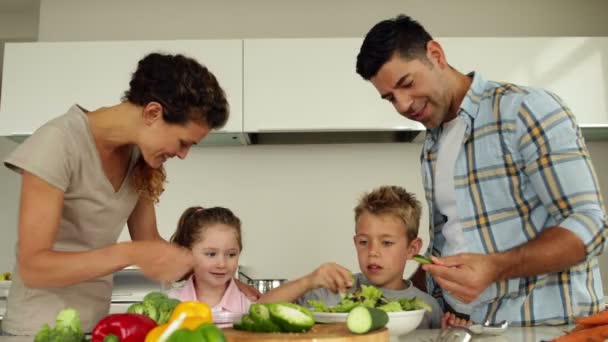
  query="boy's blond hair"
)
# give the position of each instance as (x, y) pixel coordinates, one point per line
(392, 200)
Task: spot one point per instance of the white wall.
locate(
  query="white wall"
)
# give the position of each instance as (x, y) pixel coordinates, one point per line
(296, 201)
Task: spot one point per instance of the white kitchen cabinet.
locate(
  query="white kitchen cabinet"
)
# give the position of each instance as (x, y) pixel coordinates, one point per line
(42, 80)
(296, 85)
(311, 84)
(575, 68)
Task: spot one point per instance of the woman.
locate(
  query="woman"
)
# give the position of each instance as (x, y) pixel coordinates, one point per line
(85, 174)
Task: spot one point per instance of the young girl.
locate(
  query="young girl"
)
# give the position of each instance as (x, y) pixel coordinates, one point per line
(214, 237)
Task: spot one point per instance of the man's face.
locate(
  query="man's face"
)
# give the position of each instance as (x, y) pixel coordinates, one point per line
(417, 88)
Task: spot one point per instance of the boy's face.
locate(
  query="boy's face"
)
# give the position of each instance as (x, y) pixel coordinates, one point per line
(383, 248)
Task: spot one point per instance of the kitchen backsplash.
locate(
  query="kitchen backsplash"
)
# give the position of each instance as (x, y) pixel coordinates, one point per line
(296, 202)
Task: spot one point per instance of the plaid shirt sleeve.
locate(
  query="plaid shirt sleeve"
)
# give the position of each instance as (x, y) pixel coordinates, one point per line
(558, 165)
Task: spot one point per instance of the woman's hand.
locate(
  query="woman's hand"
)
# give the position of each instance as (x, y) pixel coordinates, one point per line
(160, 260)
(331, 276)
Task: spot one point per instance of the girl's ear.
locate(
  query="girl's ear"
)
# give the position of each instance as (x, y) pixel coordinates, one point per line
(414, 248)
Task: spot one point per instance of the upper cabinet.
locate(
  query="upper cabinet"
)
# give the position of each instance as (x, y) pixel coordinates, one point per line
(42, 80)
(574, 68)
(311, 85)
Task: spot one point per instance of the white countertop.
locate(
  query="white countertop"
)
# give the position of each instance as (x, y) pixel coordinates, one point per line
(534, 334)
(512, 334)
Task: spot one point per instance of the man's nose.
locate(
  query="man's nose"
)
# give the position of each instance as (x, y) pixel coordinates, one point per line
(403, 104)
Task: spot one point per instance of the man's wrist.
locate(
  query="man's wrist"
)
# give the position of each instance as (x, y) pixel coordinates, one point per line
(505, 264)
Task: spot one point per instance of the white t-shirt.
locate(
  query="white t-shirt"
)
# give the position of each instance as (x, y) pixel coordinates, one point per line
(450, 143)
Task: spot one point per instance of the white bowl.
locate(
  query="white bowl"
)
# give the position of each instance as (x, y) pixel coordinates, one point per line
(225, 319)
(399, 323)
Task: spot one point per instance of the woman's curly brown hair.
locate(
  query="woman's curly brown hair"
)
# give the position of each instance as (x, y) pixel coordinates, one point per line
(187, 90)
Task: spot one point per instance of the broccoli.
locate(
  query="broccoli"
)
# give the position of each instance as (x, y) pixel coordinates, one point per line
(67, 328)
(155, 305)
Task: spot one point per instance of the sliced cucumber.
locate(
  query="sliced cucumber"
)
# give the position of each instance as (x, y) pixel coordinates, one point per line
(422, 259)
(291, 317)
(361, 319)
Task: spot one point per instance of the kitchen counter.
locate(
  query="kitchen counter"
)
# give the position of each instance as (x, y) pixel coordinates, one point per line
(534, 334)
(512, 334)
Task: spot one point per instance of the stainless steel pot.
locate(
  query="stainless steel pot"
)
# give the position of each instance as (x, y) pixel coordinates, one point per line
(263, 285)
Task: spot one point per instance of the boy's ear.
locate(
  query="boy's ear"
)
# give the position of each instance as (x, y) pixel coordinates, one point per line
(414, 248)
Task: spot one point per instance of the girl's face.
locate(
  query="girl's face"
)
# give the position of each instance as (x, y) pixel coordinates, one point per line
(216, 255)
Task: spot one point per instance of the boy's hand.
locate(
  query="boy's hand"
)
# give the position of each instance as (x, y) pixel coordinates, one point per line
(331, 276)
(450, 320)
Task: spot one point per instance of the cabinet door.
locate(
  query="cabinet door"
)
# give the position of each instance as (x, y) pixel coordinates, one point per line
(575, 68)
(42, 80)
(311, 85)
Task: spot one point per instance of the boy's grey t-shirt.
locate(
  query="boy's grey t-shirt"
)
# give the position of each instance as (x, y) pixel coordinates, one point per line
(431, 319)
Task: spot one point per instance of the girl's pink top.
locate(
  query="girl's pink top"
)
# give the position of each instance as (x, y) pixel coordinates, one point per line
(232, 301)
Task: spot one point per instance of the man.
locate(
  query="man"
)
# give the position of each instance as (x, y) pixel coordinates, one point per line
(517, 220)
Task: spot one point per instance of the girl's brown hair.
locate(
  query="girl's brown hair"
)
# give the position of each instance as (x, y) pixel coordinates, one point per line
(195, 220)
(395, 201)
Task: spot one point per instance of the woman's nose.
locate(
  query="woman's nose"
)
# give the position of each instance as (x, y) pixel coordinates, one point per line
(183, 152)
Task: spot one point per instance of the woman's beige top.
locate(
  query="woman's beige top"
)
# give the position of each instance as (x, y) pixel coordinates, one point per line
(63, 153)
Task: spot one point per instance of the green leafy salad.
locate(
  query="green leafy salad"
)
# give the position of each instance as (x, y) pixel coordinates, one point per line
(371, 297)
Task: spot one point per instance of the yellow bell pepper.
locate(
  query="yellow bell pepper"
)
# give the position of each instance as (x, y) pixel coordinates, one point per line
(192, 309)
(196, 314)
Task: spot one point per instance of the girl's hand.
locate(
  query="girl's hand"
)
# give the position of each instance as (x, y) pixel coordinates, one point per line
(450, 320)
(331, 276)
(160, 260)
(249, 291)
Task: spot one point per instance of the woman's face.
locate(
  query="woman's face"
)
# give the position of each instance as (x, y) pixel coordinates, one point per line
(160, 140)
(216, 255)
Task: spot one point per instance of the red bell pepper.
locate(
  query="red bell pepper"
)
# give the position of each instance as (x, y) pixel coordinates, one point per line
(127, 327)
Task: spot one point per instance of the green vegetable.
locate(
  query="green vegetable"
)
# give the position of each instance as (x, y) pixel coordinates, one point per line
(67, 328)
(276, 317)
(211, 332)
(414, 304)
(186, 335)
(291, 317)
(371, 297)
(393, 306)
(155, 305)
(361, 319)
(318, 306)
(111, 338)
(260, 314)
(422, 259)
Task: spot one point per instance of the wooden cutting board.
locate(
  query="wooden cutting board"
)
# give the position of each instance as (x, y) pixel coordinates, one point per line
(335, 332)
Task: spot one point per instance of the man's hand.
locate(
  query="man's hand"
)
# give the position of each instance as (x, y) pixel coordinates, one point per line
(464, 276)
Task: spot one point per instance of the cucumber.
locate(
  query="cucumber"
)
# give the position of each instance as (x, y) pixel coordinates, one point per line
(362, 319)
(291, 317)
(422, 259)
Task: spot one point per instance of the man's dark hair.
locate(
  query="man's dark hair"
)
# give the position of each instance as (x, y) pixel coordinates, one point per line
(402, 34)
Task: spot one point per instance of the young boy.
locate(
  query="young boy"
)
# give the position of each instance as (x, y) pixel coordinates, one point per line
(386, 236)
